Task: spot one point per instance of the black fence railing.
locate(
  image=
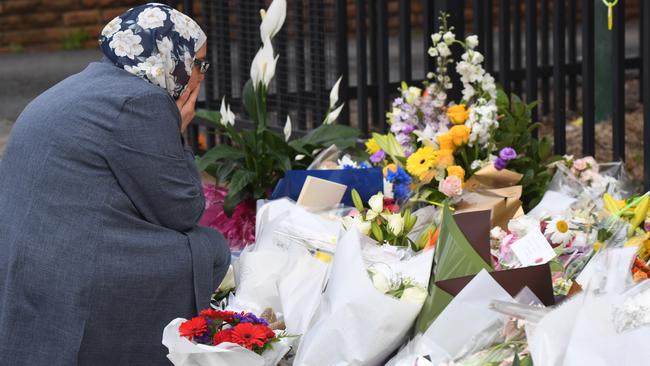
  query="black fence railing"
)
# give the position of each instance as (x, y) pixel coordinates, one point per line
(538, 49)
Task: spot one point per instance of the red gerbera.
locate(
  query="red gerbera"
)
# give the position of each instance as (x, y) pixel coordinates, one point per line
(222, 336)
(247, 335)
(226, 316)
(194, 327)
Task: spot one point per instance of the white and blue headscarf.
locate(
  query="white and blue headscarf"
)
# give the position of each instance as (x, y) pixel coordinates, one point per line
(155, 42)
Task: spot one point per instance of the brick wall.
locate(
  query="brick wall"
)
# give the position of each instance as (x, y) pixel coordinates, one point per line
(43, 25)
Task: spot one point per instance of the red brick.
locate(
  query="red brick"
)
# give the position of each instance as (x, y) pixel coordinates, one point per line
(109, 14)
(97, 4)
(20, 6)
(81, 17)
(93, 31)
(65, 5)
(43, 19)
(33, 36)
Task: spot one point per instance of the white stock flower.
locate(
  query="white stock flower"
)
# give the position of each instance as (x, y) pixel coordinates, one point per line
(126, 44)
(227, 116)
(273, 19)
(449, 38)
(435, 38)
(287, 129)
(376, 204)
(333, 115)
(472, 41)
(395, 223)
(415, 295)
(334, 93)
(443, 50)
(356, 221)
(152, 18)
(112, 27)
(263, 65)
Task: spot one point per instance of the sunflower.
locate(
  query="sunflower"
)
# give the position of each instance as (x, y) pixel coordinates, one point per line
(421, 161)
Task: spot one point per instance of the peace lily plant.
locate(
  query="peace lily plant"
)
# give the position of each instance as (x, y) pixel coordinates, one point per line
(257, 158)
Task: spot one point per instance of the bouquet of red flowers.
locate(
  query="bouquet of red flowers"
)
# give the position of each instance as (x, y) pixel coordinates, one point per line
(218, 337)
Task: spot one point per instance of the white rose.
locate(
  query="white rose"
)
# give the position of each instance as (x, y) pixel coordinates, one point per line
(376, 204)
(415, 295)
(125, 43)
(152, 18)
(112, 27)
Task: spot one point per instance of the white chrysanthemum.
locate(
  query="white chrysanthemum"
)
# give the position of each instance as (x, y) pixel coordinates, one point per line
(126, 44)
(112, 27)
(558, 231)
(152, 18)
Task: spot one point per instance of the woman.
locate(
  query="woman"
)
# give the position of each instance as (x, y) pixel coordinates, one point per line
(99, 204)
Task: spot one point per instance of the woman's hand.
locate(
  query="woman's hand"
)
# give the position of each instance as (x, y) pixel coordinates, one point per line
(186, 104)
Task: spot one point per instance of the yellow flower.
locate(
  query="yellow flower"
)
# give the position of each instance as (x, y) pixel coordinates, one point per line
(445, 158)
(458, 114)
(457, 171)
(460, 134)
(390, 166)
(421, 161)
(445, 142)
(372, 146)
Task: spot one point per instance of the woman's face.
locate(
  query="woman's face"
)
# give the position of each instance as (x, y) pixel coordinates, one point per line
(197, 77)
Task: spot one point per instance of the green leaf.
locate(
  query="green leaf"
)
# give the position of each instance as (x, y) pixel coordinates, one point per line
(389, 144)
(516, 361)
(356, 199)
(250, 100)
(211, 116)
(503, 103)
(281, 159)
(326, 135)
(527, 361)
(376, 232)
(217, 153)
(238, 182)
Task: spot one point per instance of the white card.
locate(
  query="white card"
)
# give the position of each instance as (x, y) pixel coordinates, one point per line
(320, 193)
(552, 203)
(533, 249)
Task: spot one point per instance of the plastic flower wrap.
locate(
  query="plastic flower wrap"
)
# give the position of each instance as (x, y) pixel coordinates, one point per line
(437, 141)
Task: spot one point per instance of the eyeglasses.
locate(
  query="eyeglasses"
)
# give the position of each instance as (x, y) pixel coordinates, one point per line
(202, 64)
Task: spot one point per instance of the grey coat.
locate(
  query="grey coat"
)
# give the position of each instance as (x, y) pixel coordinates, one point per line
(99, 243)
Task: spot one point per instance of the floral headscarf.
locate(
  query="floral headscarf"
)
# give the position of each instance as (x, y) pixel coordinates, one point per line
(155, 42)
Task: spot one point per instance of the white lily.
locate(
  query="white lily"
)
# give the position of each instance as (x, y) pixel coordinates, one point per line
(228, 282)
(395, 223)
(227, 116)
(263, 66)
(334, 93)
(376, 204)
(356, 221)
(333, 115)
(273, 19)
(380, 281)
(287, 129)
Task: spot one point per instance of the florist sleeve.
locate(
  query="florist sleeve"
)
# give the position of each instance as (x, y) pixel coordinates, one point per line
(151, 165)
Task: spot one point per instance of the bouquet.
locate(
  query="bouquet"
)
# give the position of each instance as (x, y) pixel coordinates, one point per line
(225, 337)
(257, 158)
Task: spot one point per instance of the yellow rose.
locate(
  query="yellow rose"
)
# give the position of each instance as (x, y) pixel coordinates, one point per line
(460, 135)
(445, 158)
(372, 146)
(445, 142)
(457, 171)
(458, 114)
(392, 167)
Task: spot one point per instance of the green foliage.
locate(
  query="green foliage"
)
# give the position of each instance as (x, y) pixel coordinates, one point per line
(259, 157)
(534, 155)
(75, 39)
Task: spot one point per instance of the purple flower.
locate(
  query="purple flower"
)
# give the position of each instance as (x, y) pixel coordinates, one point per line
(507, 153)
(500, 164)
(378, 157)
(249, 318)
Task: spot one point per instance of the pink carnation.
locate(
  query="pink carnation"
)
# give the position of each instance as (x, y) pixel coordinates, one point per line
(451, 186)
(239, 230)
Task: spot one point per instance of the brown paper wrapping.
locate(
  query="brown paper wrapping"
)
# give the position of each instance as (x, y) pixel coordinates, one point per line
(494, 190)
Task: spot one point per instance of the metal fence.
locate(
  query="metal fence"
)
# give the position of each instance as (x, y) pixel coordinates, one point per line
(530, 46)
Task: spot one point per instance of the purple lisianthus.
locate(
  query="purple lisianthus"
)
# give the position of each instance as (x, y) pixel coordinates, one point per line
(378, 157)
(500, 164)
(507, 153)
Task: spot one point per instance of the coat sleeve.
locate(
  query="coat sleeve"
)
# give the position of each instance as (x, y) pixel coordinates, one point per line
(151, 165)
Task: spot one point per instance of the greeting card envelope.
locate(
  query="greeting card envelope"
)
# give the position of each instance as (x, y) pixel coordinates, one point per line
(366, 181)
(476, 226)
(536, 278)
(320, 193)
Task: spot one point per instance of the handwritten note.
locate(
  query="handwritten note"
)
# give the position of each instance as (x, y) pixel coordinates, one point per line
(533, 249)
